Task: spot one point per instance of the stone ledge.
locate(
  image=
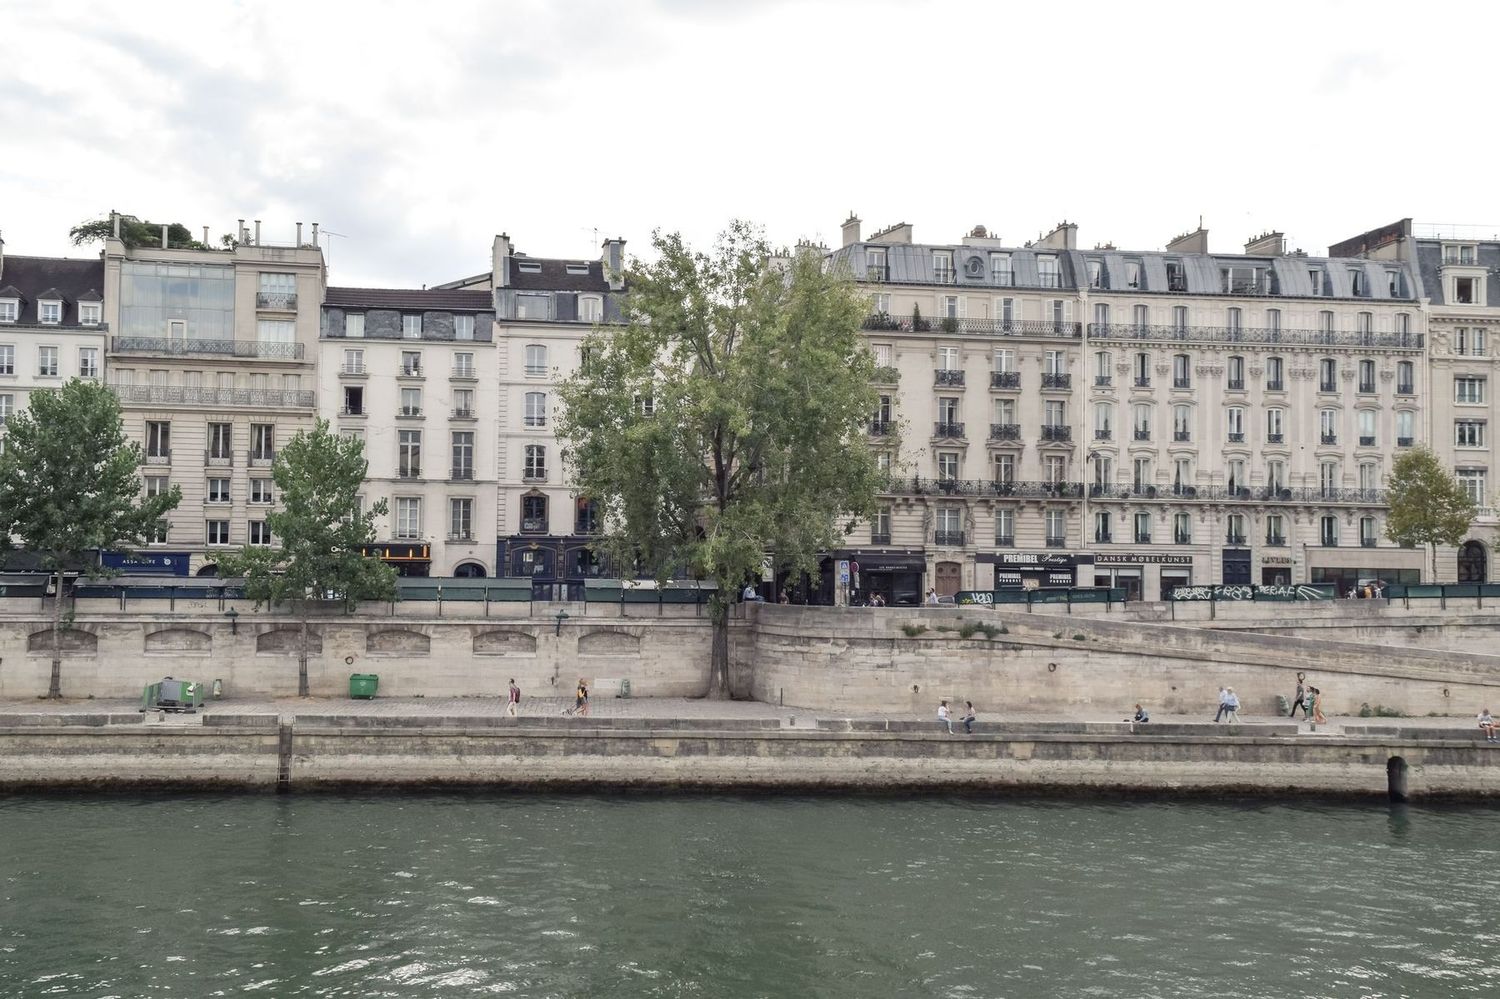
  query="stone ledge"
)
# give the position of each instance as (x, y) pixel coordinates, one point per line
(53, 720)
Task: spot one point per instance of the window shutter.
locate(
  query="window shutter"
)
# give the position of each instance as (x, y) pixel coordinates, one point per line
(963, 306)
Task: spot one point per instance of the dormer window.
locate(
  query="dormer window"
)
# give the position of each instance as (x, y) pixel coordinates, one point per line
(1096, 274)
(1356, 282)
(1132, 273)
(1315, 274)
(529, 266)
(1393, 281)
(49, 312)
(590, 308)
(89, 313)
(1464, 256)
(578, 269)
(942, 266)
(10, 308)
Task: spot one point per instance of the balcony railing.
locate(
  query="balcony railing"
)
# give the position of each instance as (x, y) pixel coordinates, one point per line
(1405, 388)
(1142, 381)
(460, 535)
(1103, 381)
(1327, 438)
(1143, 538)
(218, 459)
(1005, 379)
(1236, 438)
(1366, 388)
(955, 430)
(880, 428)
(1055, 380)
(1328, 386)
(1182, 383)
(461, 473)
(409, 472)
(1005, 541)
(1234, 539)
(463, 414)
(1275, 385)
(262, 457)
(1275, 541)
(1103, 538)
(953, 538)
(408, 411)
(1057, 433)
(465, 372)
(410, 371)
(1315, 495)
(187, 346)
(158, 457)
(1405, 441)
(880, 539)
(1236, 385)
(948, 376)
(1103, 433)
(919, 486)
(352, 411)
(1185, 539)
(992, 327)
(1141, 434)
(1005, 431)
(1367, 542)
(1275, 438)
(1182, 436)
(1055, 542)
(1253, 335)
(353, 370)
(1367, 440)
(187, 396)
(281, 301)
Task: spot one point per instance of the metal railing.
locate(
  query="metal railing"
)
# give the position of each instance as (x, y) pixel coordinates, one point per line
(260, 457)
(183, 346)
(941, 429)
(408, 410)
(1182, 436)
(880, 539)
(948, 376)
(994, 327)
(1005, 379)
(951, 538)
(188, 396)
(1236, 438)
(352, 411)
(282, 301)
(919, 486)
(1275, 541)
(880, 428)
(1229, 539)
(1005, 431)
(1142, 381)
(1103, 434)
(1254, 335)
(1405, 441)
(1275, 438)
(466, 371)
(1276, 385)
(1103, 381)
(1005, 541)
(1182, 383)
(1103, 538)
(409, 472)
(1235, 385)
(1055, 542)
(352, 370)
(1141, 434)
(1057, 433)
(1366, 440)
(1055, 380)
(222, 459)
(1329, 438)
(460, 473)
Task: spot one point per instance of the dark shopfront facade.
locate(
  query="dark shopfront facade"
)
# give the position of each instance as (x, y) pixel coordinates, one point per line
(1032, 570)
(406, 557)
(894, 574)
(557, 566)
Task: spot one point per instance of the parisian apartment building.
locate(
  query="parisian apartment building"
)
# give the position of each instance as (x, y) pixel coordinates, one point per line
(1050, 415)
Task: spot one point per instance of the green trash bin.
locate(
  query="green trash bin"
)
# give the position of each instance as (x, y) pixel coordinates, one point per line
(362, 686)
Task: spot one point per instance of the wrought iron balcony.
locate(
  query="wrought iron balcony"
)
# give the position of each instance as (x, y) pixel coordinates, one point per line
(919, 486)
(1142, 381)
(409, 472)
(992, 327)
(880, 428)
(1236, 438)
(1057, 380)
(1405, 441)
(1367, 542)
(1235, 385)
(1005, 379)
(1141, 434)
(1055, 542)
(1182, 383)
(1234, 539)
(462, 473)
(1005, 431)
(1405, 388)
(1143, 538)
(880, 539)
(410, 371)
(1275, 541)
(1275, 438)
(1005, 541)
(1253, 335)
(182, 395)
(1327, 438)
(1367, 388)
(1367, 440)
(1057, 433)
(1275, 385)
(1185, 539)
(1328, 386)
(1103, 433)
(1103, 381)
(463, 414)
(952, 538)
(352, 411)
(1327, 541)
(281, 301)
(1103, 538)
(1182, 436)
(189, 347)
(948, 376)
(953, 430)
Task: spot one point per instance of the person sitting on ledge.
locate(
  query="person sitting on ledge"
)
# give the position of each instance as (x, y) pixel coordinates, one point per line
(1141, 717)
(1487, 725)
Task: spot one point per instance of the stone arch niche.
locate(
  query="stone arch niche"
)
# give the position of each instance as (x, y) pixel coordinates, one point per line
(504, 643)
(179, 642)
(609, 643)
(287, 641)
(1473, 562)
(70, 641)
(397, 642)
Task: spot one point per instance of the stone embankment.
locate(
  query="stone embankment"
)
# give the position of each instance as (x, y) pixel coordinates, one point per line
(750, 748)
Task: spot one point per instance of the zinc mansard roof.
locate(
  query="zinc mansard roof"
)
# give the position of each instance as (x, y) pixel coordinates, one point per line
(32, 279)
(408, 299)
(1430, 263)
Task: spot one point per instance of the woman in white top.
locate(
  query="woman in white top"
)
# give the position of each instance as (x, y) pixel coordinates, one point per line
(944, 718)
(1487, 725)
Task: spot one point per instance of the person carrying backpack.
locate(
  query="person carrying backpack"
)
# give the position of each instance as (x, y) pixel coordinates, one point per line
(514, 698)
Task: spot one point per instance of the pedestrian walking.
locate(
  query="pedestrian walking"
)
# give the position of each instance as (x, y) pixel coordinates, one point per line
(944, 718)
(1309, 702)
(581, 698)
(1487, 725)
(1297, 699)
(513, 701)
(932, 597)
(1231, 706)
(968, 717)
(1223, 704)
(1317, 699)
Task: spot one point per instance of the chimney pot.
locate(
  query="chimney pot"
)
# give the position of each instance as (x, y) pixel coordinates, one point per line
(315, 234)
(114, 217)
(163, 237)
(299, 234)
(257, 232)
(205, 235)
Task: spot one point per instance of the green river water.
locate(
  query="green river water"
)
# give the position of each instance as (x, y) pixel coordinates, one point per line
(722, 896)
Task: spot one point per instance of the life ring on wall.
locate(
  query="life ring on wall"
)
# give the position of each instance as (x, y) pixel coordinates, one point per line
(1052, 667)
(348, 660)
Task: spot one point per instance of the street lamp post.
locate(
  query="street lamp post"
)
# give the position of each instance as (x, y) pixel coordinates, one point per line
(562, 616)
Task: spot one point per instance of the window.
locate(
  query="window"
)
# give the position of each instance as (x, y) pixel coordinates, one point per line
(88, 362)
(259, 532)
(1142, 366)
(49, 313)
(1469, 342)
(1133, 274)
(1000, 269)
(536, 359)
(1141, 316)
(89, 313)
(1367, 376)
(411, 363)
(354, 400)
(461, 519)
(1140, 421)
(1235, 420)
(1467, 388)
(534, 514)
(1465, 290)
(1325, 323)
(1366, 421)
(411, 327)
(1357, 282)
(1235, 533)
(1369, 476)
(1472, 481)
(275, 331)
(1276, 474)
(1143, 528)
(586, 516)
(1182, 529)
(948, 358)
(1005, 469)
(1005, 527)
(408, 517)
(947, 409)
(1275, 432)
(1236, 369)
(216, 532)
(1405, 424)
(1328, 478)
(875, 263)
(463, 327)
(411, 402)
(1103, 367)
(1468, 433)
(1181, 371)
(1273, 320)
(1328, 425)
(463, 402)
(46, 362)
(1328, 532)
(1234, 319)
(1053, 468)
(1047, 272)
(1104, 473)
(1102, 527)
(1054, 413)
(463, 454)
(158, 439)
(1315, 276)
(1141, 477)
(159, 532)
(645, 405)
(1176, 276)
(1101, 314)
(7, 407)
(156, 485)
(463, 364)
(1055, 362)
(1403, 324)
(1367, 532)
(262, 441)
(409, 454)
(354, 362)
(1405, 378)
(220, 440)
(1328, 375)
(1182, 423)
(1056, 531)
(1234, 475)
(10, 309)
(261, 491)
(880, 304)
(354, 325)
(1096, 273)
(7, 359)
(1010, 313)
(536, 463)
(1062, 311)
(942, 266)
(1275, 372)
(947, 465)
(949, 526)
(1104, 415)
(590, 308)
(883, 355)
(1179, 318)
(1005, 360)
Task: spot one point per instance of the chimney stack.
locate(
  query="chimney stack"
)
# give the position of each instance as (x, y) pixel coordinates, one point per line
(163, 237)
(257, 232)
(1267, 244)
(205, 235)
(1191, 242)
(299, 235)
(613, 259)
(315, 234)
(240, 235)
(851, 229)
(2, 255)
(500, 261)
(114, 217)
(1064, 236)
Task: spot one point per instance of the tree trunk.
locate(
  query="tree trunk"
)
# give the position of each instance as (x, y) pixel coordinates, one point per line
(54, 686)
(718, 672)
(302, 659)
(1433, 546)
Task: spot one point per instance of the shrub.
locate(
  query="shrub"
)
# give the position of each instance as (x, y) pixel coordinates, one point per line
(949, 324)
(1380, 711)
(913, 630)
(1079, 637)
(1057, 634)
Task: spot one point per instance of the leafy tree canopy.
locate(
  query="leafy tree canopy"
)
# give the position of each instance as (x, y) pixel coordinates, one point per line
(135, 232)
(1428, 505)
(727, 419)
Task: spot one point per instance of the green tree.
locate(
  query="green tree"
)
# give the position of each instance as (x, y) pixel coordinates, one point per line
(135, 232)
(1428, 506)
(727, 418)
(69, 489)
(319, 531)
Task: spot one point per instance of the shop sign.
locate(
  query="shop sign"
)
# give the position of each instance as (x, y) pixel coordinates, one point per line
(1033, 560)
(1148, 558)
(1275, 560)
(147, 563)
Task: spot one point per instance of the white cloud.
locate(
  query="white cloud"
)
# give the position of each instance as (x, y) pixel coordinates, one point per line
(420, 131)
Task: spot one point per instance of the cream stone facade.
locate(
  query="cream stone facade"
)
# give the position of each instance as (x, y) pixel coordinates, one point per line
(212, 354)
(1136, 419)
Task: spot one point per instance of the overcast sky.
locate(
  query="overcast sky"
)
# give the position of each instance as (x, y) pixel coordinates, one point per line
(417, 131)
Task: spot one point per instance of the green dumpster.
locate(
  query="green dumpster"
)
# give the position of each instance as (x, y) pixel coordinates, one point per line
(625, 688)
(363, 685)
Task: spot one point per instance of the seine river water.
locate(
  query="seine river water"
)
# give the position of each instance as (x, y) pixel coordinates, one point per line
(527, 895)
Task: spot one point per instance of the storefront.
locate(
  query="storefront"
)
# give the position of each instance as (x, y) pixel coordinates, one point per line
(147, 563)
(895, 575)
(557, 566)
(1033, 570)
(407, 558)
(1275, 570)
(1128, 571)
(1349, 568)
